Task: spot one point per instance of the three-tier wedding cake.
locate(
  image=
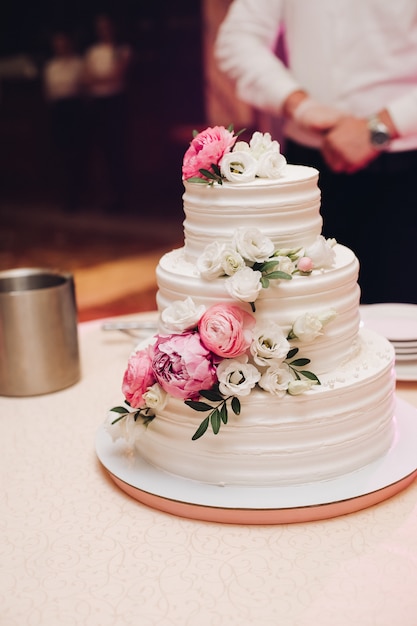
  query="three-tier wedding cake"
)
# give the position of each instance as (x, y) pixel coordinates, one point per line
(260, 374)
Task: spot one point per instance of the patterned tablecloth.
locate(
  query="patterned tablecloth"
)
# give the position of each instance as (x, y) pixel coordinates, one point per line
(76, 550)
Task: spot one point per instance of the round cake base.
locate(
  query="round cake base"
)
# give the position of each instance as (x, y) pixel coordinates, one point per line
(231, 504)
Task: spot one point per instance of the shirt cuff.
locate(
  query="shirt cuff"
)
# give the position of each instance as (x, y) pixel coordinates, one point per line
(403, 112)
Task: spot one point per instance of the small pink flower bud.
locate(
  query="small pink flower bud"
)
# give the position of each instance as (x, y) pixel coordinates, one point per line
(305, 264)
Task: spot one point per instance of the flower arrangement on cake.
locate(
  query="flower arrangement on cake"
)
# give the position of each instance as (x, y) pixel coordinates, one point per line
(249, 262)
(212, 358)
(215, 154)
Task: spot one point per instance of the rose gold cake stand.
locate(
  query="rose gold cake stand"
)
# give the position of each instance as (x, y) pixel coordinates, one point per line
(267, 505)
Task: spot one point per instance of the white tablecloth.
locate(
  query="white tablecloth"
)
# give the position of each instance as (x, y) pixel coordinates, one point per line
(76, 550)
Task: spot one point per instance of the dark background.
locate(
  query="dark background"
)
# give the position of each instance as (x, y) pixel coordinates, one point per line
(165, 95)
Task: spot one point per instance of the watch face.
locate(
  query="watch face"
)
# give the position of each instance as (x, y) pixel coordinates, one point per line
(380, 138)
(378, 134)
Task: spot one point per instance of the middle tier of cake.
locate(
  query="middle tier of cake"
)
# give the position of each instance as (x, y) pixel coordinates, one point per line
(282, 303)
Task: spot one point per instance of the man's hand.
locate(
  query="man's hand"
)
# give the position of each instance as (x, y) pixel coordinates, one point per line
(346, 147)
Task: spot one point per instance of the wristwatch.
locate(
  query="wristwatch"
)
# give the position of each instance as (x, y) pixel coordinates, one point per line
(379, 134)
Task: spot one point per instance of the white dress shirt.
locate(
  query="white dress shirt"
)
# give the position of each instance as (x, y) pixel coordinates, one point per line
(357, 55)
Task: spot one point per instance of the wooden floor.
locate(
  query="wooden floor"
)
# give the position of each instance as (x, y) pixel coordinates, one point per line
(113, 258)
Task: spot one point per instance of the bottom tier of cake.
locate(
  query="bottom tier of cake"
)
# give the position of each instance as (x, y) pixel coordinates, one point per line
(338, 427)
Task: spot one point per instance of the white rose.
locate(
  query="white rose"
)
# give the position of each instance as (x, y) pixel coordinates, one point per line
(236, 376)
(241, 146)
(252, 244)
(297, 387)
(276, 380)
(261, 143)
(238, 166)
(126, 428)
(321, 252)
(155, 397)
(271, 165)
(209, 264)
(182, 315)
(306, 328)
(327, 316)
(232, 261)
(285, 264)
(244, 285)
(269, 343)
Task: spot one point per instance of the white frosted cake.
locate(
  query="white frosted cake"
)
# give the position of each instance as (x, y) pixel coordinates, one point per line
(260, 373)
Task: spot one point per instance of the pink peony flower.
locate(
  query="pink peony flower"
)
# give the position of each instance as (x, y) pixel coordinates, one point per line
(206, 148)
(138, 377)
(226, 330)
(183, 366)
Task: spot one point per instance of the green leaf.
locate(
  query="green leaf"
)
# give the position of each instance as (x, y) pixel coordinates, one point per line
(120, 409)
(239, 132)
(211, 394)
(265, 282)
(300, 362)
(208, 174)
(310, 376)
(292, 353)
(197, 179)
(279, 275)
(223, 413)
(201, 429)
(267, 266)
(216, 170)
(235, 405)
(198, 406)
(195, 133)
(215, 421)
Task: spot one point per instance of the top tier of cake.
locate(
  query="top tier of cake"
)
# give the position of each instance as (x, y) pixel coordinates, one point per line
(287, 209)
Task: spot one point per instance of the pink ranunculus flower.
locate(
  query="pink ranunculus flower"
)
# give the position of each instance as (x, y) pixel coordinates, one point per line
(183, 366)
(226, 330)
(138, 377)
(206, 148)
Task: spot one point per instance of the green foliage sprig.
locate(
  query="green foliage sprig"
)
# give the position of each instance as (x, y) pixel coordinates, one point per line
(218, 414)
(300, 362)
(146, 414)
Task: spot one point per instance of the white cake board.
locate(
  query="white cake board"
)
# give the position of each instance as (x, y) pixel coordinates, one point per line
(352, 492)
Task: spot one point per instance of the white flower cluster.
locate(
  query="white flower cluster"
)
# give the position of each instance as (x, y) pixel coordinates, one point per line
(261, 157)
(270, 368)
(249, 246)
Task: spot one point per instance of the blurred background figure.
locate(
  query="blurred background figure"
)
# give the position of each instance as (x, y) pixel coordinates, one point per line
(345, 88)
(107, 64)
(62, 78)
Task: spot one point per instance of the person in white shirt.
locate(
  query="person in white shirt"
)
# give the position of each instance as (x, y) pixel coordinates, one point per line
(347, 95)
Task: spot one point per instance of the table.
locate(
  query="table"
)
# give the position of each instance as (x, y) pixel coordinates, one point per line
(76, 550)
